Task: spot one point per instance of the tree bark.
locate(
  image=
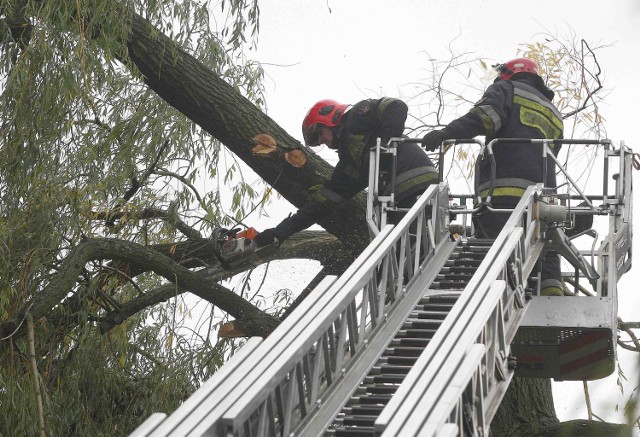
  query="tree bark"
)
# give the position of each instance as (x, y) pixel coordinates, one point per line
(527, 407)
(218, 108)
(584, 428)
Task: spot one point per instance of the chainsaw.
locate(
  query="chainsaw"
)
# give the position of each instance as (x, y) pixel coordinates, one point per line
(234, 247)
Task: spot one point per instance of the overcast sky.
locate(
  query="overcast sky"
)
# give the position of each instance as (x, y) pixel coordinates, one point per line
(349, 50)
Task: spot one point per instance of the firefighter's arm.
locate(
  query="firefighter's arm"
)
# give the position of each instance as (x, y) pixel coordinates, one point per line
(392, 115)
(486, 117)
(322, 200)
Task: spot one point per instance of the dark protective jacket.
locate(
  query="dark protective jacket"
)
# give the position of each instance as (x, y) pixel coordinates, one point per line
(354, 136)
(516, 108)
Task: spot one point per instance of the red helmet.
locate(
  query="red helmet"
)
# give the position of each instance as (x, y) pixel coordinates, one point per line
(325, 112)
(518, 65)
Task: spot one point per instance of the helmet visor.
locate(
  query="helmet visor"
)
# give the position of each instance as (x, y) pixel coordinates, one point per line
(311, 137)
(311, 134)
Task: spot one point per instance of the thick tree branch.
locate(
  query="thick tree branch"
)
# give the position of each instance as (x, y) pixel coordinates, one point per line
(62, 283)
(226, 114)
(309, 244)
(150, 214)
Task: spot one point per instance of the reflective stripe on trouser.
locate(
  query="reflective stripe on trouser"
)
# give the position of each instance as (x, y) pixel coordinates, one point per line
(489, 224)
(410, 181)
(514, 187)
(551, 287)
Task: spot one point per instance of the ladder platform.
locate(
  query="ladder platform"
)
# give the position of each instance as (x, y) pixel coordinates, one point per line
(566, 338)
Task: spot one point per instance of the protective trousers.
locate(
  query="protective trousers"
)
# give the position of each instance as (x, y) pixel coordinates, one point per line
(488, 224)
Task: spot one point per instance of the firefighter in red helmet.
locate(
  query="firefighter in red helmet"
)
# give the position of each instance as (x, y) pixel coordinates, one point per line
(352, 130)
(517, 105)
(515, 66)
(324, 115)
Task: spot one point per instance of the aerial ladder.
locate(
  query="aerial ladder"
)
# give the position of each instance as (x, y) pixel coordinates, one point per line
(424, 332)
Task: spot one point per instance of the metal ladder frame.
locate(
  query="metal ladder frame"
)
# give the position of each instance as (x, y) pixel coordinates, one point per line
(297, 379)
(324, 342)
(468, 358)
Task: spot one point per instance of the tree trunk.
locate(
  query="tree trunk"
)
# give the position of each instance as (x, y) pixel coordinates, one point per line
(526, 408)
(218, 108)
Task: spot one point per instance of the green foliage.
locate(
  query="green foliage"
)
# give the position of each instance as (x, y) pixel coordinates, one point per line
(76, 128)
(98, 385)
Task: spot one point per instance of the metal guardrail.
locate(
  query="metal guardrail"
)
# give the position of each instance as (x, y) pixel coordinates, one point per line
(465, 366)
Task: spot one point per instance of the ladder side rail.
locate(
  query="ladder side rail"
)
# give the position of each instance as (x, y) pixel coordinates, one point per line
(617, 246)
(335, 397)
(349, 291)
(482, 322)
(157, 426)
(205, 416)
(624, 222)
(149, 425)
(373, 215)
(451, 409)
(614, 253)
(625, 185)
(468, 301)
(333, 311)
(377, 201)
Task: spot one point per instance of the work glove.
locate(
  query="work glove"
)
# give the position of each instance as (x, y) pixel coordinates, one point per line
(433, 139)
(267, 237)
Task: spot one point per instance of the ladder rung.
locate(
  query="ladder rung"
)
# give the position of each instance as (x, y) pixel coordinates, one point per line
(359, 420)
(424, 314)
(381, 379)
(393, 369)
(444, 299)
(448, 285)
(416, 333)
(463, 262)
(455, 276)
(382, 388)
(365, 431)
(421, 324)
(404, 351)
(400, 360)
(459, 269)
(365, 410)
(420, 343)
(371, 399)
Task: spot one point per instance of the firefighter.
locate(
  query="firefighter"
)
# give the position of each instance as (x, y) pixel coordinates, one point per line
(353, 131)
(517, 105)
